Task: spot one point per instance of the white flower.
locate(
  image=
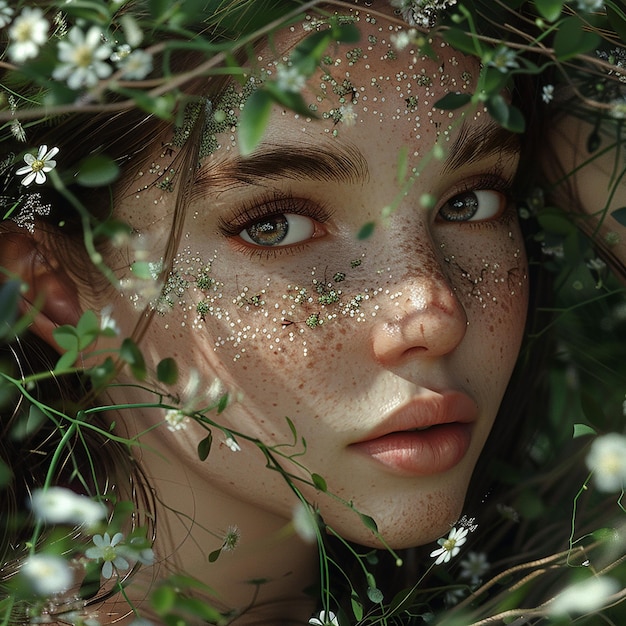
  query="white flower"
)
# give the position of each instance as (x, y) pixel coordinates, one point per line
(304, 522)
(109, 550)
(121, 53)
(451, 546)
(107, 323)
(584, 597)
(607, 461)
(37, 167)
(231, 538)
(137, 65)
(82, 58)
(474, 566)
(289, 79)
(47, 574)
(547, 93)
(232, 444)
(176, 420)
(403, 38)
(58, 505)
(28, 32)
(6, 13)
(591, 5)
(324, 619)
(348, 115)
(618, 109)
(503, 59)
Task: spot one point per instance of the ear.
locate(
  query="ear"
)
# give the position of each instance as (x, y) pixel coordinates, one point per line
(51, 297)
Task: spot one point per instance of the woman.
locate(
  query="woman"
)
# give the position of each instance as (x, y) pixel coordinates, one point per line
(363, 374)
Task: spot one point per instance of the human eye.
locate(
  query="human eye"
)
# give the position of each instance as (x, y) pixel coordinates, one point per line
(276, 223)
(478, 204)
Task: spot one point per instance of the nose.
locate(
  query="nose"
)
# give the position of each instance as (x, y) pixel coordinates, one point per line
(424, 318)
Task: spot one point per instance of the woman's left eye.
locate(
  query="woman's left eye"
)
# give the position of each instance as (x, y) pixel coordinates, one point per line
(473, 206)
(281, 229)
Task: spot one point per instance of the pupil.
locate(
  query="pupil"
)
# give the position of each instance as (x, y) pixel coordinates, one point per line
(463, 207)
(269, 232)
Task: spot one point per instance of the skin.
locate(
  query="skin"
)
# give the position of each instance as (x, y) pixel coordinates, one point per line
(590, 190)
(443, 309)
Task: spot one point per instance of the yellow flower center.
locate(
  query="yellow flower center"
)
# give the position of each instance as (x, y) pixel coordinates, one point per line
(23, 31)
(37, 165)
(83, 56)
(449, 544)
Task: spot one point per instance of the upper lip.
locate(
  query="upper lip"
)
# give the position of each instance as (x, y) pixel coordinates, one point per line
(425, 410)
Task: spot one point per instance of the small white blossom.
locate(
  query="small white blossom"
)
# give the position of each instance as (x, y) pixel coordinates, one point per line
(474, 566)
(403, 38)
(28, 33)
(137, 65)
(110, 551)
(47, 574)
(503, 59)
(38, 166)
(584, 597)
(232, 444)
(289, 78)
(591, 5)
(607, 460)
(83, 58)
(6, 13)
(58, 505)
(121, 52)
(324, 619)
(596, 264)
(348, 114)
(107, 323)
(231, 538)
(617, 109)
(451, 546)
(176, 420)
(547, 93)
(304, 522)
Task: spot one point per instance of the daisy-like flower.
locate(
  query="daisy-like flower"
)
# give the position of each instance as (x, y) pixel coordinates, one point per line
(47, 574)
(503, 59)
(607, 461)
(28, 33)
(451, 546)
(137, 65)
(474, 566)
(38, 166)
(324, 619)
(289, 79)
(58, 505)
(232, 444)
(6, 13)
(547, 93)
(83, 58)
(110, 551)
(231, 538)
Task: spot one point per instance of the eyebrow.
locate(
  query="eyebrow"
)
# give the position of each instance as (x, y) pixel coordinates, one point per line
(477, 142)
(338, 163)
(345, 163)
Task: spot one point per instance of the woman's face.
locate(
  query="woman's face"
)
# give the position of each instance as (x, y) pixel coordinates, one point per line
(388, 354)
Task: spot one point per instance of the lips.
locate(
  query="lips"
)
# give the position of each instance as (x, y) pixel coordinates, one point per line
(428, 435)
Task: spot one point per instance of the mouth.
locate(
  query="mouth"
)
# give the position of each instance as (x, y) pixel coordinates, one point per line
(428, 435)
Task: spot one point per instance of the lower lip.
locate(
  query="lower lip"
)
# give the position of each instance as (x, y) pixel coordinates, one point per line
(420, 453)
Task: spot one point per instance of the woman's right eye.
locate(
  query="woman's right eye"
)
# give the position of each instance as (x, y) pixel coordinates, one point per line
(280, 230)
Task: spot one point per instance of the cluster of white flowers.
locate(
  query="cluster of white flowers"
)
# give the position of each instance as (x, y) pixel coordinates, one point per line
(176, 420)
(421, 12)
(85, 55)
(58, 505)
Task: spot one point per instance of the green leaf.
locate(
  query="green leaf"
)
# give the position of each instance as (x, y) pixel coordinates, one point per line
(452, 101)
(307, 54)
(213, 556)
(319, 482)
(66, 361)
(289, 99)
(368, 522)
(619, 215)
(10, 294)
(346, 33)
(87, 329)
(549, 9)
(199, 608)
(366, 230)
(66, 337)
(357, 607)
(163, 599)
(462, 42)
(96, 171)
(142, 270)
(204, 447)
(571, 39)
(28, 424)
(505, 114)
(5, 474)
(167, 371)
(222, 404)
(617, 20)
(253, 121)
(130, 353)
(582, 429)
(375, 595)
